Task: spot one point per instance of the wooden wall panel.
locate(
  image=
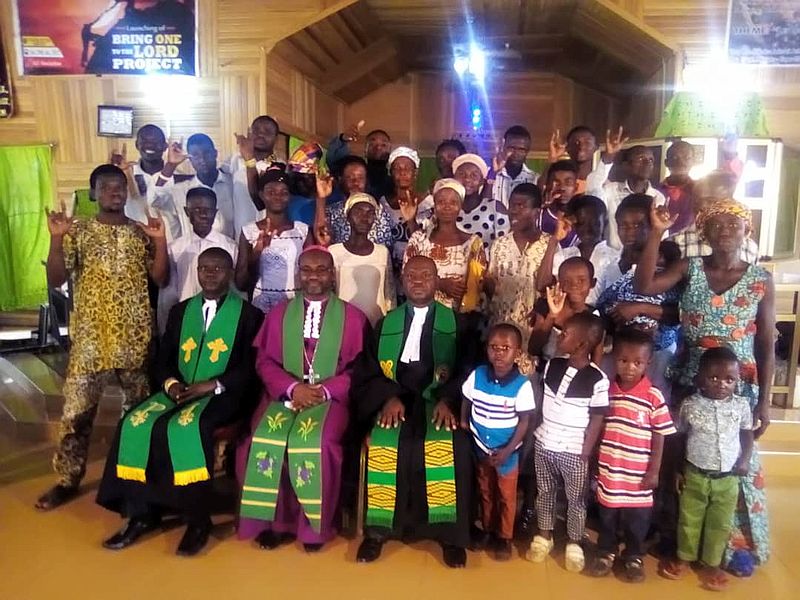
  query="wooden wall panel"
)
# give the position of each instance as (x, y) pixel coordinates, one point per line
(421, 109)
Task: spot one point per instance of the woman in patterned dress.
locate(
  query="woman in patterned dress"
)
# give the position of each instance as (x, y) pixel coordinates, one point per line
(268, 249)
(725, 301)
(449, 247)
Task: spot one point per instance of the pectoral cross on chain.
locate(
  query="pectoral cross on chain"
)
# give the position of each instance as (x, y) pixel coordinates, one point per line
(187, 348)
(217, 346)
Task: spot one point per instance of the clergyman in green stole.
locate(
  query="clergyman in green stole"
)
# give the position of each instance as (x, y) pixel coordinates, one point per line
(203, 356)
(439, 462)
(289, 437)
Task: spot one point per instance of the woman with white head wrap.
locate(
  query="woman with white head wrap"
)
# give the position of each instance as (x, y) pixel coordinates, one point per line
(401, 203)
(363, 269)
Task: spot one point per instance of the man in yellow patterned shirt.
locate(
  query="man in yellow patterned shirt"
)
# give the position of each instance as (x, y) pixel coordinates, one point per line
(109, 259)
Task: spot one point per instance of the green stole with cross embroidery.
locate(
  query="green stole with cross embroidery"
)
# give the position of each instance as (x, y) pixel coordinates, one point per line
(285, 434)
(203, 355)
(440, 484)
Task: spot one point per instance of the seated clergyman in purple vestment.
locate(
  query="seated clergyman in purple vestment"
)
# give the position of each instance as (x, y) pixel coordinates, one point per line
(290, 466)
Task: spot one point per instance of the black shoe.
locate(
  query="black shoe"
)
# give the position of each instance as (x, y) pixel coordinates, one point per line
(56, 496)
(133, 530)
(312, 548)
(479, 539)
(454, 557)
(503, 550)
(369, 550)
(194, 538)
(269, 540)
(527, 523)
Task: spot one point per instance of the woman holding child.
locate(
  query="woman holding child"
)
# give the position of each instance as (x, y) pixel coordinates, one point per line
(725, 302)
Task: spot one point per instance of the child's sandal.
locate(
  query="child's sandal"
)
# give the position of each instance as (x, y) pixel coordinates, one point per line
(602, 565)
(673, 569)
(539, 550)
(634, 570)
(714, 580)
(574, 560)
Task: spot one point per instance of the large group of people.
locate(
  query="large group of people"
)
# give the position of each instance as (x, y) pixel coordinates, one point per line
(511, 348)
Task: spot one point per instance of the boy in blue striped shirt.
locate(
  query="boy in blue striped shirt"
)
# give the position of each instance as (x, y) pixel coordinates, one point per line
(497, 408)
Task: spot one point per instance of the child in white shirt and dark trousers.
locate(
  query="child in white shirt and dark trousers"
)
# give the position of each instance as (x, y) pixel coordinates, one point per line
(575, 402)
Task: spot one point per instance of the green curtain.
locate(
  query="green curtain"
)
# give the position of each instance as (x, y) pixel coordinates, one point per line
(26, 193)
(690, 114)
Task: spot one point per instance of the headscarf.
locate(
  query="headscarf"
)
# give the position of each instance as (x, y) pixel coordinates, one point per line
(728, 206)
(452, 184)
(358, 199)
(305, 158)
(315, 248)
(403, 151)
(471, 159)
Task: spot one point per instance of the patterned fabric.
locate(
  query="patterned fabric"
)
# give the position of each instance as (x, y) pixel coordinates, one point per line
(381, 232)
(305, 158)
(710, 320)
(399, 241)
(692, 246)
(622, 290)
(277, 265)
(727, 206)
(551, 469)
(451, 261)
(111, 321)
(633, 417)
(712, 428)
(81, 395)
(515, 291)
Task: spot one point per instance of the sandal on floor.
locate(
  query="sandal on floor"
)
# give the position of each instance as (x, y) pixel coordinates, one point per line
(634, 570)
(573, 558)
(673, 569)
(540, 548)
(56, 496)
(714, 579)
(601, 565)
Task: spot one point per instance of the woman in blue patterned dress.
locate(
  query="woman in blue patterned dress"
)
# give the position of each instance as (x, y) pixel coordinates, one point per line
(725, 301)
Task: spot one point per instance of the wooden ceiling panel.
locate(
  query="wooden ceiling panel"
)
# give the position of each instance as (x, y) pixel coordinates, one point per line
(367, 43)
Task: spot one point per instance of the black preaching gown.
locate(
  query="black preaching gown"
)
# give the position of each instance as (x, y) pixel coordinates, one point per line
(242, 390)
(370, 390)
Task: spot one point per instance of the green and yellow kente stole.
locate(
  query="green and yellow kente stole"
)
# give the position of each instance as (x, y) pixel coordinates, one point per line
(283, 432)
(439, 463)
(203, 355)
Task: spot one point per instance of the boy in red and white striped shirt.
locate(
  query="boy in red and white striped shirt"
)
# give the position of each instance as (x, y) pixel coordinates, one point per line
(630, 456)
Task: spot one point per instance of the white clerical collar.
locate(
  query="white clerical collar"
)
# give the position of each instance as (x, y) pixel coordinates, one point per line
(411, 347)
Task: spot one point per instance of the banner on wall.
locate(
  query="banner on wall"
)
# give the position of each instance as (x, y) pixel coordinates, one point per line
(764, 32)
(118, 37)
(6, 104)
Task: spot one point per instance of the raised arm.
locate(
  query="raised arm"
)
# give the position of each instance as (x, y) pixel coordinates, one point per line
(58, 224)
(646, 281)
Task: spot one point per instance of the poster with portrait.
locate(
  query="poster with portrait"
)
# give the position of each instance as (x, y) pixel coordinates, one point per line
(115, 37)
(764, 32)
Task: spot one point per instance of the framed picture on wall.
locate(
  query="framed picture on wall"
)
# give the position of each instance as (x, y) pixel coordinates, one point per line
(115, 121)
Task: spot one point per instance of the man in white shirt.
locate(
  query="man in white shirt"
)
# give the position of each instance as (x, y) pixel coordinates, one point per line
(255, 156)
(509, 168)
(151, 144)
(202, 155)
(200, 210)
(638, 163)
